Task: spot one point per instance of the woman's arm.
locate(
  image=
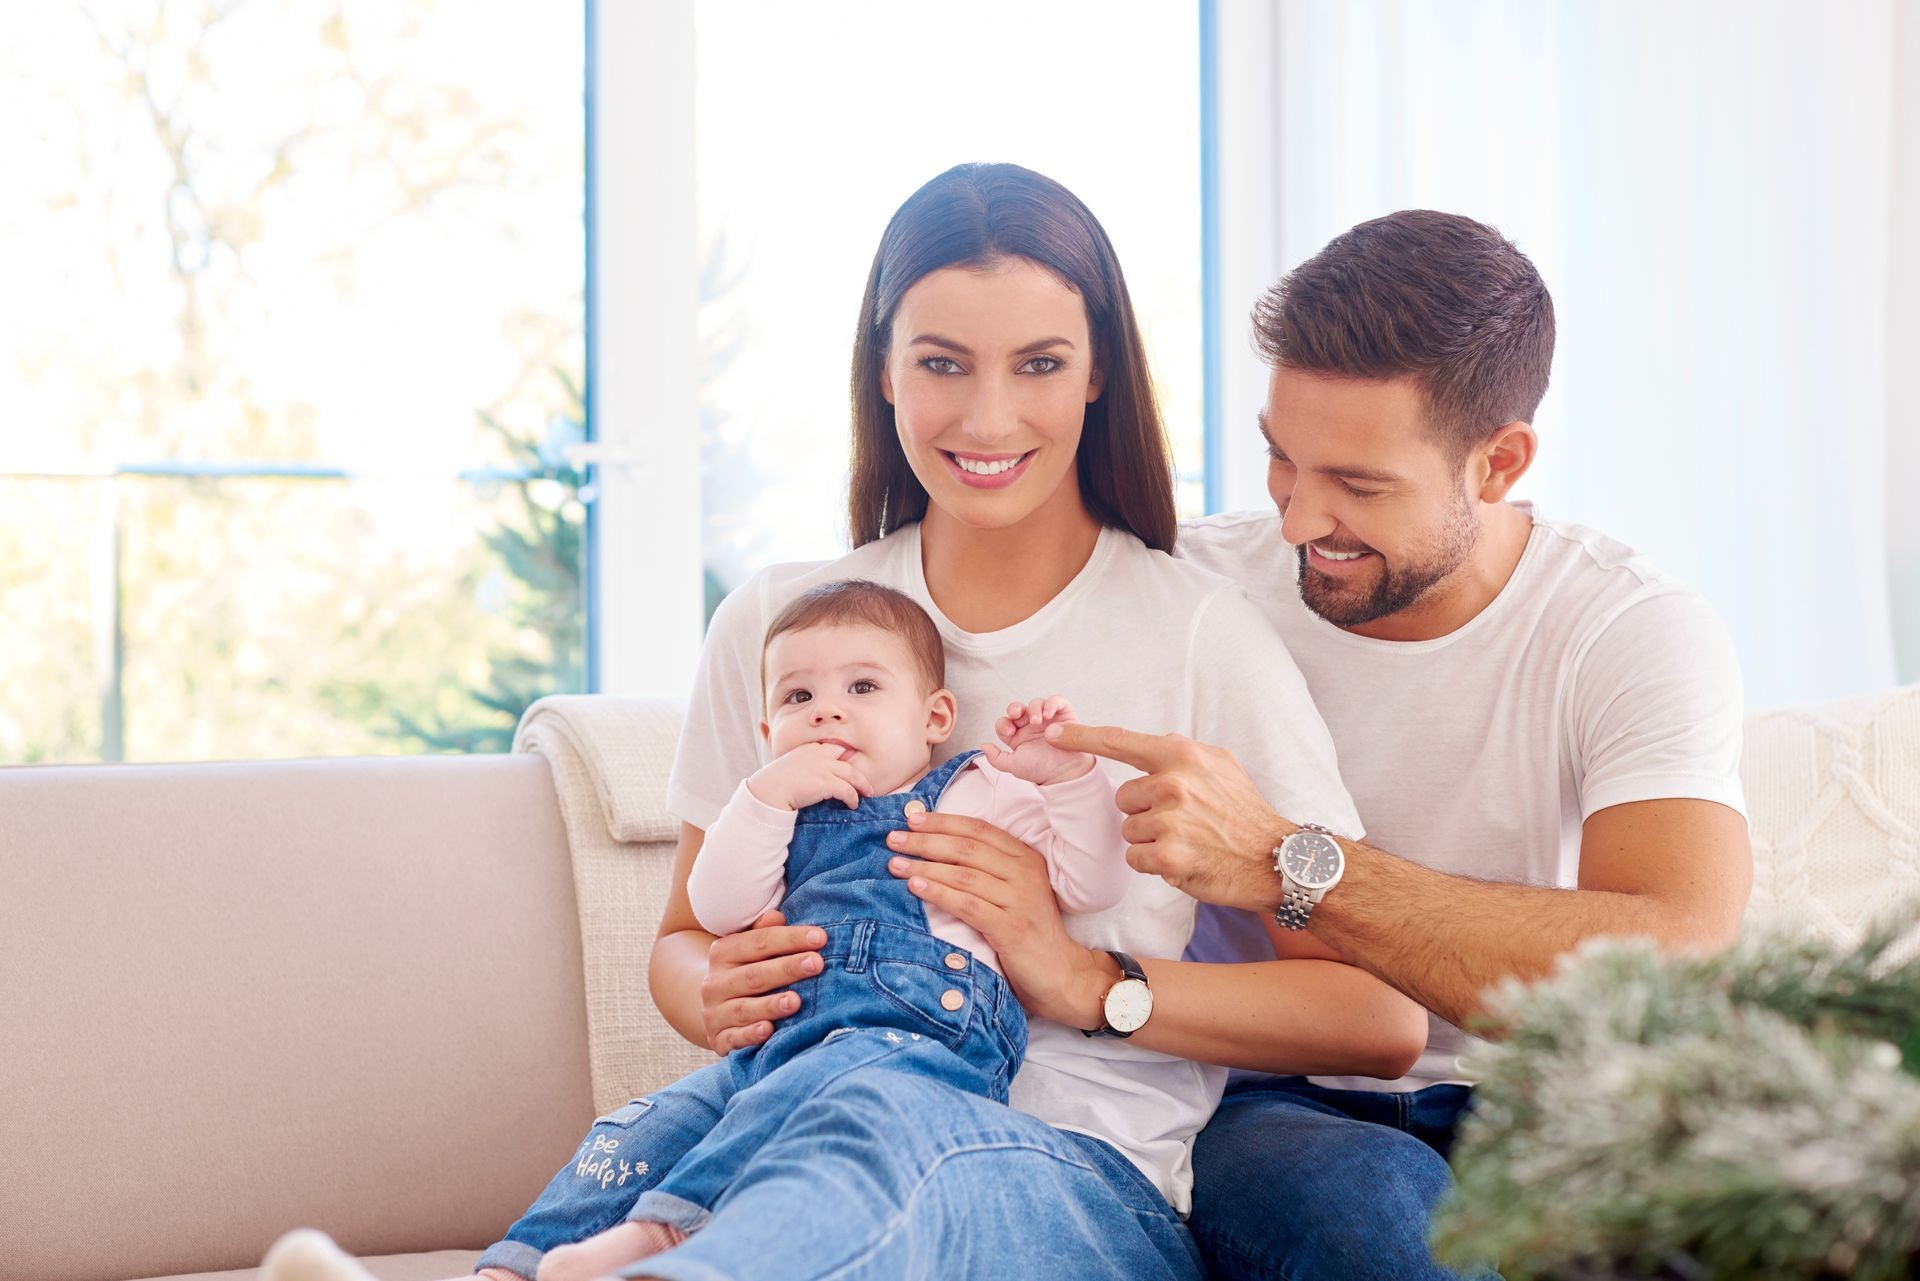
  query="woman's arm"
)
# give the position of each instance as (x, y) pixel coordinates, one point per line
(1310, 1013)
(722, 993)
(1307, 1014)
(679, 962)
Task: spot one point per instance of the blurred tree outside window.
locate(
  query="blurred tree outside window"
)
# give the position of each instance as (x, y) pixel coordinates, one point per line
(292, 359)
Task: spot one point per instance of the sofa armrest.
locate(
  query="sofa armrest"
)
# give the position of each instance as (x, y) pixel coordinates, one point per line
(610, 758)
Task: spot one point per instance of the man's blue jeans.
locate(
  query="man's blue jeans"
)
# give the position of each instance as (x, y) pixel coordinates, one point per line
(1293, 1182)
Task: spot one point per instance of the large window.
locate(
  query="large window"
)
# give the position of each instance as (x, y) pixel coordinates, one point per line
(295, 399)
(293, 361)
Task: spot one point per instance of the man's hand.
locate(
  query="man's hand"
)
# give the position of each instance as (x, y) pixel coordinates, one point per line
(1196, 820)
(744, 994)
(807, 775)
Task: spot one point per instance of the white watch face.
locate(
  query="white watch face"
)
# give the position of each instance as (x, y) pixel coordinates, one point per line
(1313, 859)
(1129, 1002)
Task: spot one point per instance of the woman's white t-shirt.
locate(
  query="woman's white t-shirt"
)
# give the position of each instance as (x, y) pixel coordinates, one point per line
(1137, 639)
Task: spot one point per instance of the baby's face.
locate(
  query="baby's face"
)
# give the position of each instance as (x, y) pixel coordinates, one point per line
(858, 687)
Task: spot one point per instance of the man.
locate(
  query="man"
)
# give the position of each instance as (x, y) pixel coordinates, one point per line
(1540, 731)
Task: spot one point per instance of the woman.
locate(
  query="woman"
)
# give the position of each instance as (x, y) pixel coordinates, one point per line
(1010, 474)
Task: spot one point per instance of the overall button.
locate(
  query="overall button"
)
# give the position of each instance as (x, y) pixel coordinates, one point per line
(915, 806)
(951, 999)
(955, 961)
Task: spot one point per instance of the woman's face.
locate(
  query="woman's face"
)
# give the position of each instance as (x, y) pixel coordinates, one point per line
(990, 371)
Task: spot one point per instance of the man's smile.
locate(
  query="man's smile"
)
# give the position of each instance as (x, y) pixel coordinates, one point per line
(1337, 563)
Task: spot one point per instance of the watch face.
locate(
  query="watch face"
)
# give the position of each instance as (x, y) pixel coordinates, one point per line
(1129, 1002)
(1312, 858)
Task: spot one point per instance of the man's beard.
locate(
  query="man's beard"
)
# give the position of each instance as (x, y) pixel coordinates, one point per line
(1397, 586)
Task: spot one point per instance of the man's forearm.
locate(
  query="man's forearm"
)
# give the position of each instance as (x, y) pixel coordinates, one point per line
(1443, 940)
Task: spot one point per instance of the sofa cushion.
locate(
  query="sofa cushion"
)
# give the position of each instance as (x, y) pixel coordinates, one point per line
(1833, 799)
(388, 1267)
(241, 998)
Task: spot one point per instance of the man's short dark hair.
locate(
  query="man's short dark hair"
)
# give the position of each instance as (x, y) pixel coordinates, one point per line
(1440, 298)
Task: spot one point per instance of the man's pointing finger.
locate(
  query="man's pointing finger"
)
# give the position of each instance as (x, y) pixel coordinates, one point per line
(1147, 752)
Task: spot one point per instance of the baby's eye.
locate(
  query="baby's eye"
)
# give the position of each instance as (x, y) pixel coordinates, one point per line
(863, 687)
(796, 696)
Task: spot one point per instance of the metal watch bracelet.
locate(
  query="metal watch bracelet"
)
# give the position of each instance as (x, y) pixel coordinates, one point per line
(1296, 904)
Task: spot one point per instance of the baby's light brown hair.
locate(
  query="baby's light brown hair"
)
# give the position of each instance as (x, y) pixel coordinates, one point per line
(858, 602)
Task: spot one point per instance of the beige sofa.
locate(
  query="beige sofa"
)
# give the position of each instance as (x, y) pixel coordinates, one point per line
(385, 997)
(381, 996)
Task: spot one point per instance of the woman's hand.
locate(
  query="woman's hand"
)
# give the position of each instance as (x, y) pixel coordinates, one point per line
(998, 885)
(741, 997)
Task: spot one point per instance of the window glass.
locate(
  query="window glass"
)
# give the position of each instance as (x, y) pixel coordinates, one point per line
(815, 122)
(292, 357)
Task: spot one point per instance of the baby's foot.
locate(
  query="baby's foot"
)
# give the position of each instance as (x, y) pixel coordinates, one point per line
(602, 1255)
(306, 1255)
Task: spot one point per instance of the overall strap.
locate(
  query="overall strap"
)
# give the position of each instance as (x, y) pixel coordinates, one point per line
(929, 790)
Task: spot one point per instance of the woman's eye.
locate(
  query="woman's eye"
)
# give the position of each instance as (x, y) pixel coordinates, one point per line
(864, 687)
(1043, 364)
(940, 365)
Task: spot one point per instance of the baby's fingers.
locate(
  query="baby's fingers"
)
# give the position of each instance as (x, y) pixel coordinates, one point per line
(850, 773)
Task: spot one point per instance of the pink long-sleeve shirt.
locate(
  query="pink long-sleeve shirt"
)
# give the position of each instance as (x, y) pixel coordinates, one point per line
(1075, 825)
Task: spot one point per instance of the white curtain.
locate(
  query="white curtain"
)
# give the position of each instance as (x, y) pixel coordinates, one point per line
(1720, 195)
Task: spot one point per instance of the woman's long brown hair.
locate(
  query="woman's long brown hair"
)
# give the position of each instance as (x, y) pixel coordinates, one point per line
(972, 216)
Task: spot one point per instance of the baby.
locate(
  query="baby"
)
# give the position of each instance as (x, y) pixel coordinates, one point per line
(853, 680)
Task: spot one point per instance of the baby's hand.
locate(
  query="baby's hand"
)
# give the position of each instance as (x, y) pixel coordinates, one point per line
(1027, 753)
(806, 775)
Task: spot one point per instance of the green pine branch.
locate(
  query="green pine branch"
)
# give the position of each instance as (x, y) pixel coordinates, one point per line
(1750, 1115)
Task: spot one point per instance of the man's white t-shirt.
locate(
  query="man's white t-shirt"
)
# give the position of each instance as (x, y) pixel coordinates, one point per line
(1591, 680)
(1137, 639)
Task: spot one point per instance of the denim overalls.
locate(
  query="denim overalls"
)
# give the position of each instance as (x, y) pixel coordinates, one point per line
(890, 997)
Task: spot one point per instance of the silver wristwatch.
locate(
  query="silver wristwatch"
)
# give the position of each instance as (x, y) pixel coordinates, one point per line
(1310, 863)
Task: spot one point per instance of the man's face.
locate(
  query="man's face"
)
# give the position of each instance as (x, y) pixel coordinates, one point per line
(1375, 503)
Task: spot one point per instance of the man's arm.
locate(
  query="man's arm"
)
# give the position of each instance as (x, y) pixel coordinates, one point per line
(1306, 1013)
(1677, 871)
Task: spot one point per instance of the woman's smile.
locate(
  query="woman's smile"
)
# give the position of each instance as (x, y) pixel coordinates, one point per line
(987, 471)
